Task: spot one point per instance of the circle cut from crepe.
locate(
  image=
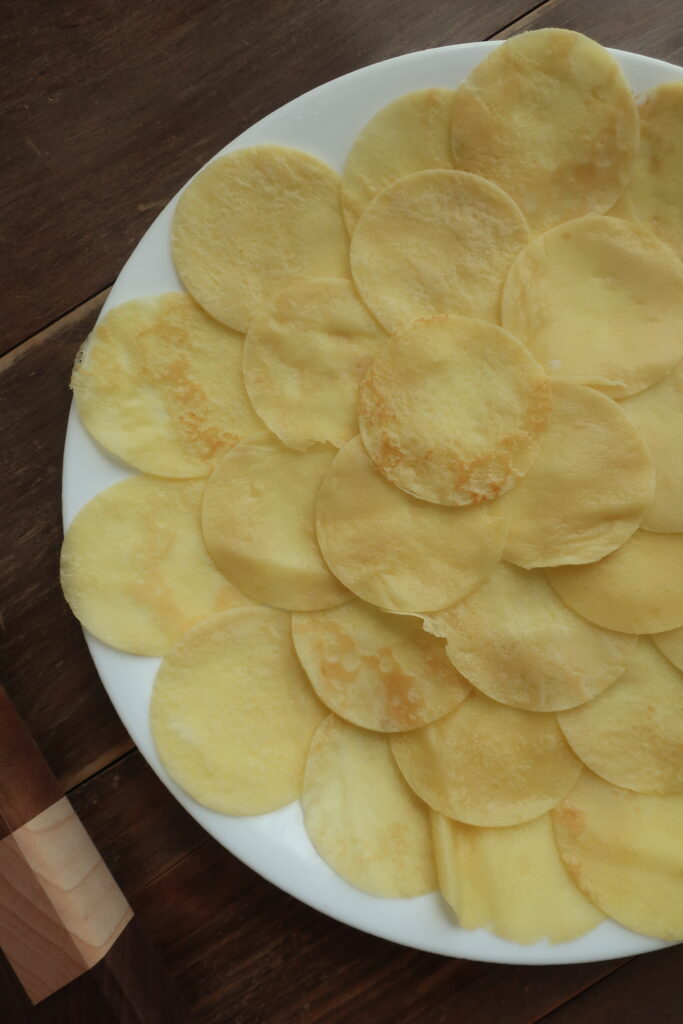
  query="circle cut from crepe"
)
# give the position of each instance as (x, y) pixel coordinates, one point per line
(636, 589)
(305, 356)
(623, 850)
(395, 551)
(378, 670)
(588, 489)
(632, 735)
(452, 410)
(412, 133)
(232, 712)
(517, 642)
(159, 384)
(258, 520)
(436, 242)
(134, 568)
(362, 818)
(510, 881)
(462, 764)
(253, 221)
(549, 117)
(600, 301)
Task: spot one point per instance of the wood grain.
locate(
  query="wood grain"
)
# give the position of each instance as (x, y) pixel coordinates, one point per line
(134, 981)
(106, 110)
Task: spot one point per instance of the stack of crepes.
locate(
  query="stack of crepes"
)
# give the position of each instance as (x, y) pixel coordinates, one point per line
(408, 523)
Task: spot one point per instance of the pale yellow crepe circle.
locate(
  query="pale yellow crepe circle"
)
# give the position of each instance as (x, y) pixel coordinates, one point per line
(436, 242)
(517, 642)
(159, 384)
(134, 567)
(304, 358)
(486, 764)
(361, 816)
(378, 670)
(632, 735)
(637, 589)
(452, 410)
(232, 713)
(258, 520)
(653, 194)
(252, 222)
(671, 645)
(548, 116)
(598, 300)
(623, 849)
(588, 489)
(657, 415)
(511, 881)
(412, 133)
(395, 551)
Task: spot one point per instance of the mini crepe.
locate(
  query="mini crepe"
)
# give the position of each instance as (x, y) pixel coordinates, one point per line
(304, 358)
(632, 735)
(252, 222)
(436, 242)
(377, 670)
(657, 415)
(588, 489)
(259, 526)
(548, 116)
(159, 384)
(395, 551)
(600, 301)
(636, 589)
(361, 816)
(653, 194)
(623, 850)
(134, 567)
(232, 712)
(412, 133)
(486, 764)
(510, 880)
(446, 449)
(518, 643)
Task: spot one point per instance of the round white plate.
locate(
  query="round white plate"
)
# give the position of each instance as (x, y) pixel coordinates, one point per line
(323, 122)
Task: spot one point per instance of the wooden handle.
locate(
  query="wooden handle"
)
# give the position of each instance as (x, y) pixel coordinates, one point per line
(62, 915)
(27, 786)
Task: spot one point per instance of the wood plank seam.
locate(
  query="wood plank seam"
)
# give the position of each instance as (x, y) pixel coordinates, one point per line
(132, 749)
(521, 18)
(58, 324)
(581, 992)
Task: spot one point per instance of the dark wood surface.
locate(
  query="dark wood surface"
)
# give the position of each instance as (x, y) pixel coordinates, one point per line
(105, 109)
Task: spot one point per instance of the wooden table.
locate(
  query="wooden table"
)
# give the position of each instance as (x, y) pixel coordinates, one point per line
(107, 108)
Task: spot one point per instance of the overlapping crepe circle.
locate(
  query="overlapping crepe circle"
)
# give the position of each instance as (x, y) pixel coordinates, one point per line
(427, 574)
(158, 384)
(453, 453)
(550, 118)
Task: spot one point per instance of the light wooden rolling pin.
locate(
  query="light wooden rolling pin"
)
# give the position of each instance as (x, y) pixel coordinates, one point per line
(62, 915)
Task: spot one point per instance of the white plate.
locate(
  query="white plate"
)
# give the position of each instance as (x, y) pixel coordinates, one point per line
(323, 122)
